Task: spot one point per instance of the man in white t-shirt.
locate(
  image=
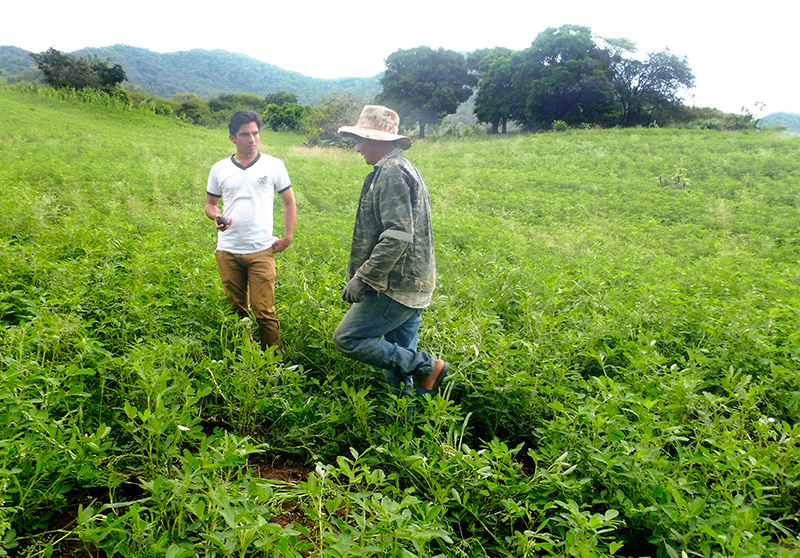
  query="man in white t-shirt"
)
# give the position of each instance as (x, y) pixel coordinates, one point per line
(247, 183)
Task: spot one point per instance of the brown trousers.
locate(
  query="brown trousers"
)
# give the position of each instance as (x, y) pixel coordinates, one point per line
(249, 280)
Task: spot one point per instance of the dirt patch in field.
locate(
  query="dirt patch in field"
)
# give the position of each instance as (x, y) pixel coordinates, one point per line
(265, 468)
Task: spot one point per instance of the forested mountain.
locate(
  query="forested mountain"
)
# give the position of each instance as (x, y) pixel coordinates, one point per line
(203, 72)
(14, 60)
(787, 120)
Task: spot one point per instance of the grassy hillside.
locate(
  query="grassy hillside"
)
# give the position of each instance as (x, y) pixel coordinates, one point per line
(206, 73)
(621, 308)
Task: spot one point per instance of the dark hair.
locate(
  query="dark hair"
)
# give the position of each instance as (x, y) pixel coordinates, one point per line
(241, 118)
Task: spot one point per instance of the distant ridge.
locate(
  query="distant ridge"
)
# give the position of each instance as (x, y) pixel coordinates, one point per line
(14, 60)
(789, 121)
(206, 73)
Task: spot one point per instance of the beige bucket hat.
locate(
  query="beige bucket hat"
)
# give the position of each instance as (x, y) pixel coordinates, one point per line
(377, 123)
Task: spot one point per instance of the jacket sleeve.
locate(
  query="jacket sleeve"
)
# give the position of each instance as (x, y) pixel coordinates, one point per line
(392, 208)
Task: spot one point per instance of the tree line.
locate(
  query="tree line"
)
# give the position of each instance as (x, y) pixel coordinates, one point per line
(61, 69)
(280, 110)
(566, 78)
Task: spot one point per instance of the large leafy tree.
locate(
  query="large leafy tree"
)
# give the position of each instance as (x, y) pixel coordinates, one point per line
(425, 85)
(574, 91)
(647, 89)
(61, 69)
(494, 100)
(110, 75)
(563, 75)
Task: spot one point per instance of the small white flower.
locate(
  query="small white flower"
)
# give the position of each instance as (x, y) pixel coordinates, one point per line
(183, 428)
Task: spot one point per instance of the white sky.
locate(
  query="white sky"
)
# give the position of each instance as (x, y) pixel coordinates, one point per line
(741, 54)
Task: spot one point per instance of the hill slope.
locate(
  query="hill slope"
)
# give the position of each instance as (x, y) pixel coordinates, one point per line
(789, 121)
(620, 307)
(14, 60)
(204, 72)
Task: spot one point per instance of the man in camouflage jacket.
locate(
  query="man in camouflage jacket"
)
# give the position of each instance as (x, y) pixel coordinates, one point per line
(392, 270)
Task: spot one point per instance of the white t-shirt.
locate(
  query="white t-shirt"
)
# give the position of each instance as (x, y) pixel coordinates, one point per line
(247, 197)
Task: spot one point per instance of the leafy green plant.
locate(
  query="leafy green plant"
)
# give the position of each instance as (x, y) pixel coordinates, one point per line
(677, 180)
(161, 411)
(208, 507)
(243, 378)
(560, 126)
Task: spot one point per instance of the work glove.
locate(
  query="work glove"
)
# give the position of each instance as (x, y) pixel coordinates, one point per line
(354, 290)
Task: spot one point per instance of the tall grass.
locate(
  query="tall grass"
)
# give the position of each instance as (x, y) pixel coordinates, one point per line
(621, 309)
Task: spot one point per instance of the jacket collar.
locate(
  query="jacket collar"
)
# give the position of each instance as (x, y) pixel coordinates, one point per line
(389, 155)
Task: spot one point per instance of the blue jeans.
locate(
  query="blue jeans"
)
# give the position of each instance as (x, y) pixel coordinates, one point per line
(382, 332)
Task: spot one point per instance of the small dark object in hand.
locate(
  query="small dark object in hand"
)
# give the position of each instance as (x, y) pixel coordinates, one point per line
(221, 220)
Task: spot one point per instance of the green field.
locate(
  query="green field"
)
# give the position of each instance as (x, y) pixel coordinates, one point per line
(621, 309)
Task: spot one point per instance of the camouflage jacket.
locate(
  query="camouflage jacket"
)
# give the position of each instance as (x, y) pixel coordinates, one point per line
(392, 248)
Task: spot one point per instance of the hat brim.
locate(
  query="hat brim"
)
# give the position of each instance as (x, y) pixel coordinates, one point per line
(403, 142)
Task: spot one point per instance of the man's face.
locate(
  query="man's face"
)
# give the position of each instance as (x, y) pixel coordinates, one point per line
(246, 139)
(371, 150)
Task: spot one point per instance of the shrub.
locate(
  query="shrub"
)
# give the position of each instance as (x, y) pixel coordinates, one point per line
(285, 117)
(560, 126)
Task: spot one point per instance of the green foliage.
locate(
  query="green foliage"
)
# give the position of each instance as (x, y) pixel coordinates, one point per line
(324, 120)
(647, 90)
(625, 352)
(561, 76)
(567, 74)
(712, 119)
(193, 108)
(494, 100)
(156, 105)
(425, 85)
(280, 98)
(65, 70)
(232, 102)
(288, 116)
(575, 91)
(677, 180)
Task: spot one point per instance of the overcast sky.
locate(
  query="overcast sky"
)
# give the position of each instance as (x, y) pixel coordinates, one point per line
(741, 54)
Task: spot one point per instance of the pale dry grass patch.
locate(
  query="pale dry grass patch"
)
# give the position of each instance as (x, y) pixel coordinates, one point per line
(720, 213)
(327, 153)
